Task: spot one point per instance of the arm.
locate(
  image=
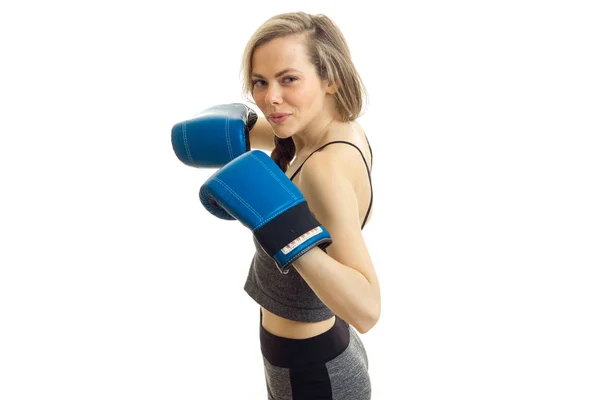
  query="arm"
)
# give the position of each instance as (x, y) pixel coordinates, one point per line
(262, 135)
(344, 278)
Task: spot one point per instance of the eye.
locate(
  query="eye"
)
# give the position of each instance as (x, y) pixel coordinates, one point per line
(258, 82)
(290, 79)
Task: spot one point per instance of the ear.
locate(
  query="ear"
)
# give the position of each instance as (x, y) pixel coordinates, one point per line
(332, 87)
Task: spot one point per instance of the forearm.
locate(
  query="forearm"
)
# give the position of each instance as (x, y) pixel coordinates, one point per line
(341, 288)
(262, 135)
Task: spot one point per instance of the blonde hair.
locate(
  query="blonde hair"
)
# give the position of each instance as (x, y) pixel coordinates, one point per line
(329, 53)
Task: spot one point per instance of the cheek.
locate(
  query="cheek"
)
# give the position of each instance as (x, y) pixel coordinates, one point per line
(259, 100)
(256, 96)
(307, 96)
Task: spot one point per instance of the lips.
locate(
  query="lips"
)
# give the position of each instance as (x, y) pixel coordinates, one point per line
(278, 118)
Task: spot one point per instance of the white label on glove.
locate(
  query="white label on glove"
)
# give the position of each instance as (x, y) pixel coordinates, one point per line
(301, 239)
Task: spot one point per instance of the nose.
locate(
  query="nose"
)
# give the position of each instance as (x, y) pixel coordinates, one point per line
(273, 95)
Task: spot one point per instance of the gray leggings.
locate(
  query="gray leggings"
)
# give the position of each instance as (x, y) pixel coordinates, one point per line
(332, 366)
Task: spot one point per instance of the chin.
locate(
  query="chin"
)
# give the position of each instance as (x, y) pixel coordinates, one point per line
(283, 133)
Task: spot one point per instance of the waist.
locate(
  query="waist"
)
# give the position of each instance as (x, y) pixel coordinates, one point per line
(291, 329)
(289, 352)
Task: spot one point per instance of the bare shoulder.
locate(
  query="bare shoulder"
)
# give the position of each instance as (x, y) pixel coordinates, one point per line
(329, 181)
(335, 161)
(338, 160)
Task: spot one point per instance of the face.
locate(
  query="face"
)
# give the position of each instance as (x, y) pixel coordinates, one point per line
(286, 86)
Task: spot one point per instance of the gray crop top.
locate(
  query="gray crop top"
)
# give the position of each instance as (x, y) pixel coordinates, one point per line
(288, 295)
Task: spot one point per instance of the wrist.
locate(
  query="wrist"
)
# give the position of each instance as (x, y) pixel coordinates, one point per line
(309, 258)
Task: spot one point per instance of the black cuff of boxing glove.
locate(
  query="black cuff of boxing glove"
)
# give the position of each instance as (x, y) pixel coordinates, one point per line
(322, 244)
(286, 227)
(251, 118)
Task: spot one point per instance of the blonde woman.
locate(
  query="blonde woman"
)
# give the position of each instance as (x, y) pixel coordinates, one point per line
(316, 299)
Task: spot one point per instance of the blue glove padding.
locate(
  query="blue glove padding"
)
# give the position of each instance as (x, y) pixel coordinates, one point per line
(254, 190)
(215, 136)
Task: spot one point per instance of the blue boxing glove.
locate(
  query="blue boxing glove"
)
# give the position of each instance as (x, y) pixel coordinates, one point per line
(215, 136)
(254, 190)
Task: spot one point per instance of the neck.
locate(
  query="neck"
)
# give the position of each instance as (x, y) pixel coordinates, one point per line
(315, 133)
(312, 136)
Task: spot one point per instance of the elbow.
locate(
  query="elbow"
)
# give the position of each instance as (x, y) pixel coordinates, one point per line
(368, 322)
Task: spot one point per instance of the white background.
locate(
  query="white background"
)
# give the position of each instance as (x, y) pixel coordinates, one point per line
(115, 283)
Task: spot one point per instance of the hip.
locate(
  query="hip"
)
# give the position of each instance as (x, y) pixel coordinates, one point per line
(332, 365)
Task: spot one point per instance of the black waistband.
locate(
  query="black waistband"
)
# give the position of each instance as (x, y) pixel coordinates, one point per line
(294, 353)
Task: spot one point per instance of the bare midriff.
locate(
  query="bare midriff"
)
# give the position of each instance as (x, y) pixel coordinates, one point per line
(290, 329)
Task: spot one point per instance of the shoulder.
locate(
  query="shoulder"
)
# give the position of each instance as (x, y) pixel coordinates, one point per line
(328, 180)
(335, 161)
(332, 162)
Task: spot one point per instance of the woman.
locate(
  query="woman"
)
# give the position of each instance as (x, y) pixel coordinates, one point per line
(298, 70)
